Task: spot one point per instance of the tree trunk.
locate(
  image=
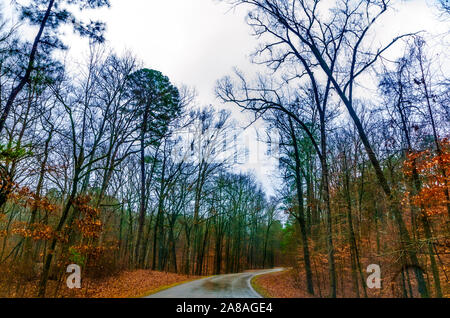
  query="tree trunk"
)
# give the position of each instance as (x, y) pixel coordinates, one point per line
(300, 214)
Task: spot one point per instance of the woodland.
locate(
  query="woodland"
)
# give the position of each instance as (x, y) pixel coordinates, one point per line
(109, 165)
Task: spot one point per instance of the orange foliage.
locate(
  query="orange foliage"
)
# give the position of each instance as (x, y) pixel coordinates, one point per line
(91, 250)
(24, 197)
(89, 225)
(35, 231)
(279, 285)
(434, 174)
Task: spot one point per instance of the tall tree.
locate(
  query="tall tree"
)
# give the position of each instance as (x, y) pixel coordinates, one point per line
(50, 16)
(156, 103)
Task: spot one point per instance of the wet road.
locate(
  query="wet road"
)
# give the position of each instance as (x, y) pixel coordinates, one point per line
(220, 286)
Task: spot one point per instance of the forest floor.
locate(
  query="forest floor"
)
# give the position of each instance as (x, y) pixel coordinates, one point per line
(126, 284)
(289, 284)
(278, 285)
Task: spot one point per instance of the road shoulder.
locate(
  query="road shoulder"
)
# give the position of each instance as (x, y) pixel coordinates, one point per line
(276, 285)
(258, 288)
(165, 287)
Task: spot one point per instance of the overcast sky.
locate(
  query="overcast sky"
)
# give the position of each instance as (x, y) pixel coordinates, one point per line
(196, 42)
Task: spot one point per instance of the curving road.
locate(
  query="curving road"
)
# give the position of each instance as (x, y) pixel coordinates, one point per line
(220, 286)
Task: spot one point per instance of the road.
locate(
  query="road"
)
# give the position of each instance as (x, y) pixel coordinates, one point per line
(219, 286)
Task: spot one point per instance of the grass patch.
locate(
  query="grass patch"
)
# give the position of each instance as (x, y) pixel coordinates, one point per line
(161, 288)
(258, 288)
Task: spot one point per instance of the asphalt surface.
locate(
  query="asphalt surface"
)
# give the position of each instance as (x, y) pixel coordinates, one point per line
(219, 286)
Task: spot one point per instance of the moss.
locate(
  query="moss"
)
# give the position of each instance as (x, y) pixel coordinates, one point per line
(161, 288)
(258, 288)
(261, 290)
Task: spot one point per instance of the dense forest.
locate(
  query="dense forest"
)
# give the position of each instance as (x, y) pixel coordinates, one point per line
(109, 165)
